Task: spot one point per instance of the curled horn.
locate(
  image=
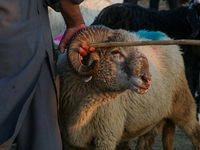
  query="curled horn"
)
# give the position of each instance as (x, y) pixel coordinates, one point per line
(88, 35)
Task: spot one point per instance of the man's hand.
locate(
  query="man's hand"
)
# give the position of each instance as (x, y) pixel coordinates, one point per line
(67, 36)
(85, 49)
(74, 22)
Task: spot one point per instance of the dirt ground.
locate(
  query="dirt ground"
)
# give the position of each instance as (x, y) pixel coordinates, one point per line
(181, 141)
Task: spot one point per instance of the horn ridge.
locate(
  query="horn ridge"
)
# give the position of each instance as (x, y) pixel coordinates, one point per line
(88, 35)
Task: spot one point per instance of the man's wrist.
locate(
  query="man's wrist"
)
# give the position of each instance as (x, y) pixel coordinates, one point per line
(71, 13)
(77, 28)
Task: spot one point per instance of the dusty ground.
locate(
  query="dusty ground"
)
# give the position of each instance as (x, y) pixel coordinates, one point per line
(181, 142)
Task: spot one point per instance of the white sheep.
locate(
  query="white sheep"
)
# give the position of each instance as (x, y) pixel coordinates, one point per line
(89, 10)
(107, 111)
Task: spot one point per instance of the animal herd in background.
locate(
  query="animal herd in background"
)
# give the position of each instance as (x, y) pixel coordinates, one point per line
(89, 9)
(177, 25)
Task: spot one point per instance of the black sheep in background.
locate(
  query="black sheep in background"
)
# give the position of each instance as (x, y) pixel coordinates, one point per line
(180, 23)
(172, 4)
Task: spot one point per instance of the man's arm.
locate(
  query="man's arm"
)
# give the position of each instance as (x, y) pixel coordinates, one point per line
(73, 19)
(71, 13)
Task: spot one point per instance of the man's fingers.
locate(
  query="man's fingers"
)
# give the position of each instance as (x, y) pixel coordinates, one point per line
(61, 48)
(91, 49)
(65, 39)
(63, 44)
(81, 58)
(82, 51)
(85, 47)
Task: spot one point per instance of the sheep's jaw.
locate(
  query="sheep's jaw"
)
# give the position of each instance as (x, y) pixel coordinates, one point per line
(140, 89)
(141, 83)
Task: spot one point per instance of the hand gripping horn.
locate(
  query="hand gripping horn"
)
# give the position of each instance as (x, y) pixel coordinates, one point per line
(88, 35)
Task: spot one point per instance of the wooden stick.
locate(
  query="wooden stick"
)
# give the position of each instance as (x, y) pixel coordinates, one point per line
(143, 43)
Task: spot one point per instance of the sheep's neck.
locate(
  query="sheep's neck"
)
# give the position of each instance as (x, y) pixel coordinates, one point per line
(83, 98)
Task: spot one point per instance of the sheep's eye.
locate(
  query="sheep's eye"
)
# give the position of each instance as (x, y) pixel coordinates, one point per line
(117, 55)
(115, 52)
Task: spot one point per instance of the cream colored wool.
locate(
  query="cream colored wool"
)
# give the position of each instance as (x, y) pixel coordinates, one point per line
(101, 120)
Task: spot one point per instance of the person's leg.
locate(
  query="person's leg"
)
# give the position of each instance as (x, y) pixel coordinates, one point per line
(154, 4)
(40, 130)
(173, 4)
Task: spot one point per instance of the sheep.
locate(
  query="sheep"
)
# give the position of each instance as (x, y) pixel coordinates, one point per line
(89, 10)
(109, 99)
(177, 24)
(183, 2)
(180, 3)
(134, 18)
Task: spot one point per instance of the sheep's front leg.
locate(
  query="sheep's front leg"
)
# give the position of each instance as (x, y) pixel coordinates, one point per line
(124, 145)
(105, 144)
(146, 141)
(168, 135)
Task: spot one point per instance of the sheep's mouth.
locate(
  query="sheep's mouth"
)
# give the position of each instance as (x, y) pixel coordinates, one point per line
(140, 89)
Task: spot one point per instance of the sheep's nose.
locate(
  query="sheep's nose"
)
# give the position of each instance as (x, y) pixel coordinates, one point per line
(146, 79)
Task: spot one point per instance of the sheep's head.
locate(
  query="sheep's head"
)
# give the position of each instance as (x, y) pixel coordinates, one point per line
(113, 68)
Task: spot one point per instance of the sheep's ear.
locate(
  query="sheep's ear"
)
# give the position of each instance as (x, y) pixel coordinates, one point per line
(87, 79)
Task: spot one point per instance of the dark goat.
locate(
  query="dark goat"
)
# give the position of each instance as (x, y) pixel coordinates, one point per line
(175, 23)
